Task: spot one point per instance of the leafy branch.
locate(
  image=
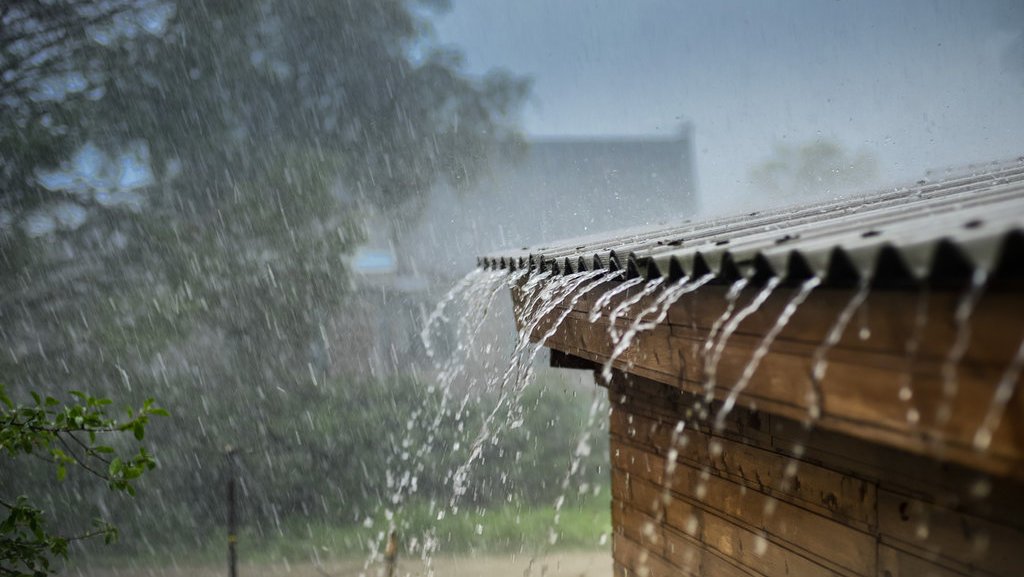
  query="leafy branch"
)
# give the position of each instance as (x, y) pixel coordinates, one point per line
(65, 434)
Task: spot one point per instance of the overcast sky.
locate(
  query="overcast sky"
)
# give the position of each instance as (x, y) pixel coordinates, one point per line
(922, 84)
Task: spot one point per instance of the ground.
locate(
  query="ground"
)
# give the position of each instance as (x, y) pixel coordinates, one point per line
(561, 564)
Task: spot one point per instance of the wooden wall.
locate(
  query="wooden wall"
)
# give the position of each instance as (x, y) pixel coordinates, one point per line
(867, 368)
(725, 506)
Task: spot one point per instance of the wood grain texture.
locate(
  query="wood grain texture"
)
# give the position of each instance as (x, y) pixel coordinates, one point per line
(866, 369)
(694, 500)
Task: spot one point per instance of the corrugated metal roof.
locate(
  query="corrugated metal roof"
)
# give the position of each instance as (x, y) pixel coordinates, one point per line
(930, 232)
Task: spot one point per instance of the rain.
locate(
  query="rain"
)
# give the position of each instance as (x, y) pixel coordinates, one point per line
(446, 287)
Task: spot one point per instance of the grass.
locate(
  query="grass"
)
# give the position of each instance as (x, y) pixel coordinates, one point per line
(583, 524)
(511, 528)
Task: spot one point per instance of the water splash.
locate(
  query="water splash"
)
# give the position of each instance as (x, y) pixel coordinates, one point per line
(469, 303)
(626, 305)
(541, 299)
(961, 319)
(730, 328)
(581, 450)
(437, 314)
(576, 293)
(604, 299)
(762, 348)
(819, 361)
(913, 348)
(659, 308)
(731, 298)
(1005, 389)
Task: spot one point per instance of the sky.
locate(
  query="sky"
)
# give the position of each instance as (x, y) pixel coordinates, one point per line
(918, 84)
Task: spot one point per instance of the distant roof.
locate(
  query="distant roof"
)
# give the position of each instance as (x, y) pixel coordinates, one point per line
(933, 232)
(554, 187)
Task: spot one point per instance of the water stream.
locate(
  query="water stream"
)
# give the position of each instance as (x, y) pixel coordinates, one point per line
(542, 299)
(962, 321)
(627, 305)
(1005, 389)
(546, 300)
(762, 349)
(819, 361)
(913, 348)
(730, 328)
(469, 302)
(659, 308)
(603, 300)
(707, 379)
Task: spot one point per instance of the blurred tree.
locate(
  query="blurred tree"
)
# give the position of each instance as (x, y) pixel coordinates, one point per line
(67, 435)
(813, 168)
(194, 239)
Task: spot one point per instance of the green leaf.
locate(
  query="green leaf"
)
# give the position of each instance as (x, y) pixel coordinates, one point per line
(140, 430)
(62, 472)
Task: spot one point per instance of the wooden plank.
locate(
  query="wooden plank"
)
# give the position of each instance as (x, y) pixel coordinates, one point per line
(640, 528)
(904, 473)
(700, 522)
(889, 316)
(757, 552)
(824, 491)
(896, 563)
(642, 562)
(684, 551)
(621, 490)
(860, 393)
(829, 542)
(955, 538)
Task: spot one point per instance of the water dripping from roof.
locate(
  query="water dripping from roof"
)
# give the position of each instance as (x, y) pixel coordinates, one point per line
(731, 297)
(819, 362)
(626, 305)
(732, 325)
(659, 308)
(762, 348)
(606, 298)
(1005, 389)
(962, 320)
(913, 347)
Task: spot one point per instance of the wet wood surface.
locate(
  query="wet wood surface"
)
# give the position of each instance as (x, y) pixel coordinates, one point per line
(699, 500)
(866, 369)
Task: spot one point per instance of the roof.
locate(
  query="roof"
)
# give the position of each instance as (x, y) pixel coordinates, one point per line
(931, 232)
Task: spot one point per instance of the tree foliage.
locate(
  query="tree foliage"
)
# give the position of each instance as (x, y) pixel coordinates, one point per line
(812, 168)
(254, 133)
(71, 434)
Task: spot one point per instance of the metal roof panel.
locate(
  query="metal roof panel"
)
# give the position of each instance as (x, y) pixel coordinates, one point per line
(892, 236)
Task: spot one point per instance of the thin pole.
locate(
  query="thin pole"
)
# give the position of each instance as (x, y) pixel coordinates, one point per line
(232, 517)
(391, 553)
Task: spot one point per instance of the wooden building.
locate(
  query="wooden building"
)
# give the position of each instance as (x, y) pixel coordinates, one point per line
(828, 390)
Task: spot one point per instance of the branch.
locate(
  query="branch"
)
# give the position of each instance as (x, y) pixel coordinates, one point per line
(80, 462)
(89, 535)
(88, 450)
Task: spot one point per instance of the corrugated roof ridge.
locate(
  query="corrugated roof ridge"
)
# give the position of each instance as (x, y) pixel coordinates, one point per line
(899, 230)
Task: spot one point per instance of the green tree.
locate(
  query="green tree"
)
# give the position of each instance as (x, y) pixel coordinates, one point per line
(260, 129)
(65, 435)
(813, 168)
